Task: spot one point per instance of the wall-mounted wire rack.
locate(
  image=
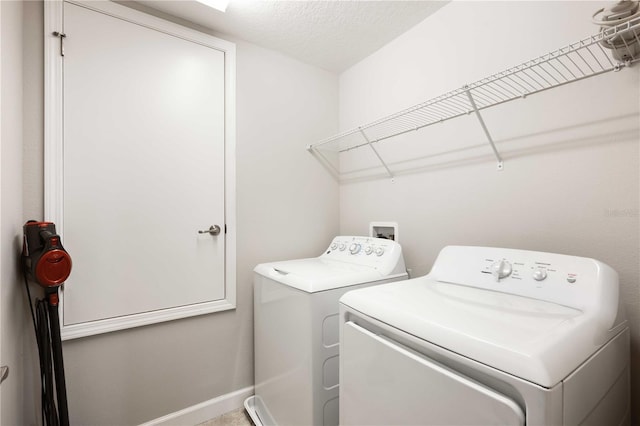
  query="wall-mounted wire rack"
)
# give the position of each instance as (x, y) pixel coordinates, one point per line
(578, 61)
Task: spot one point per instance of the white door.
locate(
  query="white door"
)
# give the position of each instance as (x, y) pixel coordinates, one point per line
(143, 170)
(385, 383)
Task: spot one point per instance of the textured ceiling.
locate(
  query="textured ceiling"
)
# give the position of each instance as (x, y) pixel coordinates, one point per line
(330, 34)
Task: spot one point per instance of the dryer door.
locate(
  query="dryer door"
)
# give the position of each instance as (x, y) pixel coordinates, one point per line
(385, 383)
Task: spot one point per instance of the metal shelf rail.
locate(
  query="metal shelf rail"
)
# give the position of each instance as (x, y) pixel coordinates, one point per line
(578, 61)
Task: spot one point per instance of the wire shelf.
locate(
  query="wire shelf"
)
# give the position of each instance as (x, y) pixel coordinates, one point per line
(578, 61)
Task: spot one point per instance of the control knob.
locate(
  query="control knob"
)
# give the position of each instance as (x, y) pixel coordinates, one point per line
(379, 251)
(500, 269)
(334, 246)
(342, 246)
(355, 248)
(368, 250)
(539, 274)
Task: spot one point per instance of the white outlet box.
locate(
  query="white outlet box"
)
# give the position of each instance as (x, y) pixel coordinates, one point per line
(388, 230)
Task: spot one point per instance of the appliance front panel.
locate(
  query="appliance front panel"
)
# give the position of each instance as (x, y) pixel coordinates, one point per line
(384, 382)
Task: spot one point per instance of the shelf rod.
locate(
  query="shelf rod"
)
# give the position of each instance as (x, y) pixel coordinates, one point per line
(484, 127)
(574, 62)
(375, 151)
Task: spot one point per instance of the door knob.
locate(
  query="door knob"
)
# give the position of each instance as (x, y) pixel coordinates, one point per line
(213, 230)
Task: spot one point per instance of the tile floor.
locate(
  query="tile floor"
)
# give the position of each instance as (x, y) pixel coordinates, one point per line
(237, 417)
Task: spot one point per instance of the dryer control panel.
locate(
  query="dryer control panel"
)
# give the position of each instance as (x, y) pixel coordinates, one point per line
(572, 281)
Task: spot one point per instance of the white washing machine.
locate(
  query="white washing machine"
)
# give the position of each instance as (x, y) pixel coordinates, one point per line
(490, 336)
(296, 327)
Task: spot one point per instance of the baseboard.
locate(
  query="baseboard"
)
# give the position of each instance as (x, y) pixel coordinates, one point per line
(205, 410)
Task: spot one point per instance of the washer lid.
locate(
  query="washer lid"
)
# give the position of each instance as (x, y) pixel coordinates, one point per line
(536, 340)
(318, 274)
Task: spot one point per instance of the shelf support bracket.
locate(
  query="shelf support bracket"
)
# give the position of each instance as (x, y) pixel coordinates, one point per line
(484, 127)
(375, 151)
(325, 162)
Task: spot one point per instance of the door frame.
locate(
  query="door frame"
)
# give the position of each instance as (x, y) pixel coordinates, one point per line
(54, 167)
(2, 219)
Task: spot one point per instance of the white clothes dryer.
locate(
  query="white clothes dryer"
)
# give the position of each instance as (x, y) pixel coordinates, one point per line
(296, 327)
(489, 336)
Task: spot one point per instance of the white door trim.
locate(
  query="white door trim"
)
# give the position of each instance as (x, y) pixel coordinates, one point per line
(53, 156)
(2, 219)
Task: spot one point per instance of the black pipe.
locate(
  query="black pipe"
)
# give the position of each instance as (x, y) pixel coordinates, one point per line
(58, 363)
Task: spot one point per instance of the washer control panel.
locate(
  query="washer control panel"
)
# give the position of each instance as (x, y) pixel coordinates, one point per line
(367, 251)
(360, 246)
(567, 280)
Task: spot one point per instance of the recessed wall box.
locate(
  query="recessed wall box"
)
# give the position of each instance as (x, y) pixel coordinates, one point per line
(388, 230)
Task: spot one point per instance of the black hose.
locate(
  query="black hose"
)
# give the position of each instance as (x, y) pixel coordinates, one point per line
(47, 330)
(43, 337)
(58, 363)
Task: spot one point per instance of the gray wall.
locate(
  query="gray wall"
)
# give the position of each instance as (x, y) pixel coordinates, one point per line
(571, 174)
(12, 301)
(287, 207)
